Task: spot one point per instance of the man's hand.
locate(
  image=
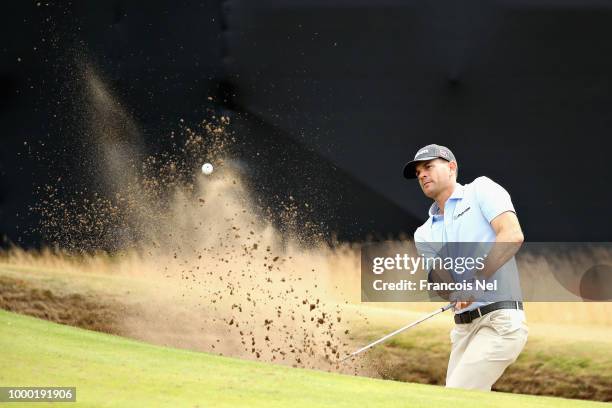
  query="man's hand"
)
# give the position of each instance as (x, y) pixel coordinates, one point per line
(462, 304)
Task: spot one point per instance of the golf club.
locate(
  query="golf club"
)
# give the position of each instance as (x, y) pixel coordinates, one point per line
(401, 329)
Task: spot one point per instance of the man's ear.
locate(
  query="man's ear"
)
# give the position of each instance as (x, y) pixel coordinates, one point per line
(453, 167)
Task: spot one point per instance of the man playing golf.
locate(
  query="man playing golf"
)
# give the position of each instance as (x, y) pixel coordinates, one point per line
(488, 335)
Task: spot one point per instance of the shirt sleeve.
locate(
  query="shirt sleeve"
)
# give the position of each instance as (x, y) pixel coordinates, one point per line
(492, 198)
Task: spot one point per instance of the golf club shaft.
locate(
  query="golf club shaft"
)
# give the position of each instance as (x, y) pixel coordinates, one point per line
(401, 329)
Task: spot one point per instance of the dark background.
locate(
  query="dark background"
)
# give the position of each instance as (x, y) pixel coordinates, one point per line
(329, 99)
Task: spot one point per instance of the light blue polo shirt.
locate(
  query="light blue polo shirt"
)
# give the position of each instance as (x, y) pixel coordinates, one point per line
(467, 218)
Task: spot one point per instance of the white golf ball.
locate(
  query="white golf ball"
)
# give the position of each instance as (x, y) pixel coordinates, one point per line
(207, 168)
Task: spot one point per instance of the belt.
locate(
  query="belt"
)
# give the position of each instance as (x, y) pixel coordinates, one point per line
(467, 317)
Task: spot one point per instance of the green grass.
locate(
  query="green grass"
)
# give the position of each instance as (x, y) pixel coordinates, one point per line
(111, 371)
(569, 360)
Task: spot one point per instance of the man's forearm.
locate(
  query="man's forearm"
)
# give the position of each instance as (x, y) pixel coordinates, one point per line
(441, 276)
(505, 247)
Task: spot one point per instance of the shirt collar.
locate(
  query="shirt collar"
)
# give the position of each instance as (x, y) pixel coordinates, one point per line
(457, 195)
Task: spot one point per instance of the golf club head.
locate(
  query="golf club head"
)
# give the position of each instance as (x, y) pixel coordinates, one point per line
(343, 359)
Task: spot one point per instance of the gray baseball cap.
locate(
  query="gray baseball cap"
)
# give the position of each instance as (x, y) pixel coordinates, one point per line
(429, 152)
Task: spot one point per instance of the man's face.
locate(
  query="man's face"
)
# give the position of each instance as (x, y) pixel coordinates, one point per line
(435, 176)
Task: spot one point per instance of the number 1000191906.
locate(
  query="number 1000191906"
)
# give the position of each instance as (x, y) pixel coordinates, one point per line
(8, 394)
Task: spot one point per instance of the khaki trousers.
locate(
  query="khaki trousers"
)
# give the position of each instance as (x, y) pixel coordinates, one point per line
(481, 350)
